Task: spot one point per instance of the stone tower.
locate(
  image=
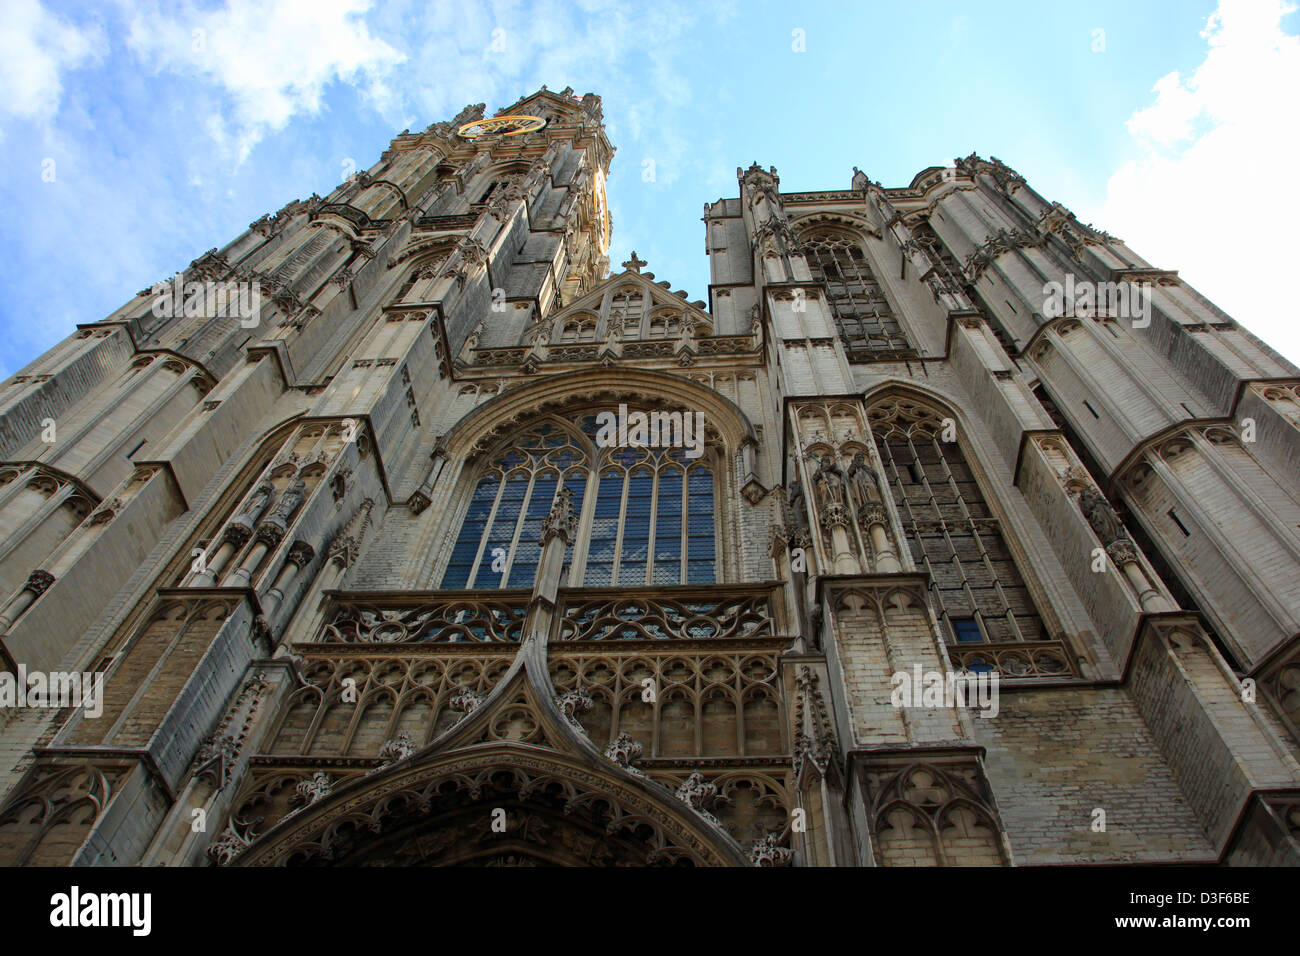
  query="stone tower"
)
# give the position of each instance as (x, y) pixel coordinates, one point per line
(397, 531)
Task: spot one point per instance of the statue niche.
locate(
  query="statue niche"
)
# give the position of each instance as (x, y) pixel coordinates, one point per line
(863, 483)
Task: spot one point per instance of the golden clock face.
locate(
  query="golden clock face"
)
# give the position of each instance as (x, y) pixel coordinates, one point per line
(502, 126)
(601, 206)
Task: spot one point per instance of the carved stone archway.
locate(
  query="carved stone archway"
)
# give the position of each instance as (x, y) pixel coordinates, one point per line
(516, 781)
(549, 810)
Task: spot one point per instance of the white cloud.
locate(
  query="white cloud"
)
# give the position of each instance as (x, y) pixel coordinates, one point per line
(273, 59)
(35, 49)
(1210, 193)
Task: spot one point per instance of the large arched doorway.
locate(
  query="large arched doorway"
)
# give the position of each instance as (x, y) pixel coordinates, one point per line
(504, 804)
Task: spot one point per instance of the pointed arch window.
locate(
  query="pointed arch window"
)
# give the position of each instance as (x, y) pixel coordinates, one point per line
(867, 324)
(647, 515)
(498, 545)
(665, 323)
(579, 328)
(977, 587)
(625, 308)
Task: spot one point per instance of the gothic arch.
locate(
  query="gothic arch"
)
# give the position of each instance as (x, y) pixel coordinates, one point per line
(422, 249)
(644, 514)
(474, 433)
(867, 316)
(847, 223)
(515, 750)
(556, 812)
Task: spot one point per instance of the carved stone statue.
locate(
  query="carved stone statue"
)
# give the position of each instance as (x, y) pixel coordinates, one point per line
(1101, 516)
(257, 504)
(290, 500)
(862, 480)
(799, 509)
(830, 482)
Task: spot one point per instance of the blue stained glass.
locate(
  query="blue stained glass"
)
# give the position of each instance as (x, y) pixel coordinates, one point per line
(604, 529)
(699, 572)
(645, 506)
(577, 483)
(700, 524)
(668, 529)
(471, 533)
(503, 529)
(699, 528)
(528, 551)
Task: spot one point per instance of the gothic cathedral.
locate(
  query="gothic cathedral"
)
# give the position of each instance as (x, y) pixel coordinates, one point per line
(402, 531)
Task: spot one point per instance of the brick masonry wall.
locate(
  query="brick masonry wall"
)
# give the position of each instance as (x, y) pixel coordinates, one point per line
(1056, 755)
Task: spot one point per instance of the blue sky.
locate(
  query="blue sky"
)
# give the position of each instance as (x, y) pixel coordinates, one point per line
(171, 126)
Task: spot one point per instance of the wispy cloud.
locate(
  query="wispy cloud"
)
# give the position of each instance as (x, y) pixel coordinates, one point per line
(1210, 142)
(272, 60)
(36, 49)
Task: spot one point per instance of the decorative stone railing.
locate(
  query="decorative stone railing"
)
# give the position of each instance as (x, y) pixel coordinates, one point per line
(448, 618)
(649, 614)
(703, 613)
(1013, 661)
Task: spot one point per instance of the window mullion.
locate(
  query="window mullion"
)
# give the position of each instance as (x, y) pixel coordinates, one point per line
(487, 531)
(654, 520)
(520, 520)
(686, 527)
(622, 518)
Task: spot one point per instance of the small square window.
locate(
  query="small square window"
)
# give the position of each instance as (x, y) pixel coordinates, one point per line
(966, 629)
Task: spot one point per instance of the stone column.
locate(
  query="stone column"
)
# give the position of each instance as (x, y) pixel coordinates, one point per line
(300, 555)
(835, 519)
(236, 535)
(558, 531)
(1120, 548)
(872, 518)
(270, 532)
(38, 582)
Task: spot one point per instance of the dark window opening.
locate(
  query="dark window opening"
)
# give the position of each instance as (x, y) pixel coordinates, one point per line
(864, 319)
(1173, 516)
(951, 533)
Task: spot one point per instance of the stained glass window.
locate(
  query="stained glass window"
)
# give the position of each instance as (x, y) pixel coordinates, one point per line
(649, 517)
(498, 541)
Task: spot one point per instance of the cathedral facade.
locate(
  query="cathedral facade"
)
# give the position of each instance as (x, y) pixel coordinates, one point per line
(402, 531)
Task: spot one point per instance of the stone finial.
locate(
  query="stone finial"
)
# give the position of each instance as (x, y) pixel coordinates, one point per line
(466, 701)
(394, 751)
(572, 703)
(345, 545)
(625, 751)
(634, 264)
(768, 852)
(699, 794)
(562, 520)
(314, 788)
(226, 847)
